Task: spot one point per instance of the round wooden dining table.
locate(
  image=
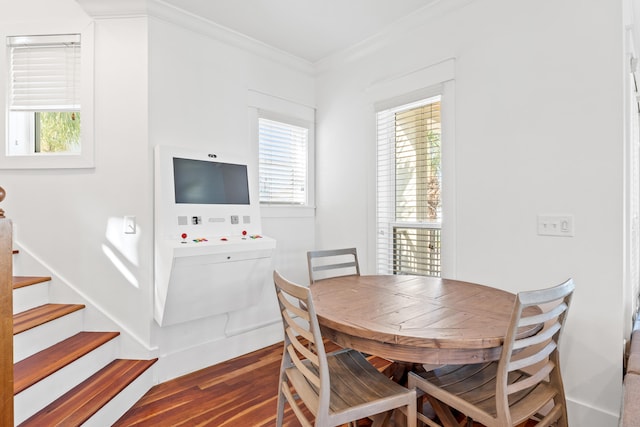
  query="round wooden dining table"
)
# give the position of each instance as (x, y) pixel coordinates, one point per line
(415, 319)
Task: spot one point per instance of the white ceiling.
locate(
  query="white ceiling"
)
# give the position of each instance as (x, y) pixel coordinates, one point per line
(308, 29)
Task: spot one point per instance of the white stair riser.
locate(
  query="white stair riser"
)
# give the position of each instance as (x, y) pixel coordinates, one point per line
(39, 395)
(120, 404)
(37, 339)
(30, 296)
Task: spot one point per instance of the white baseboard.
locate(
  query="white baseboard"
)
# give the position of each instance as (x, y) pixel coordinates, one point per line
(587, 416)
(185, 361)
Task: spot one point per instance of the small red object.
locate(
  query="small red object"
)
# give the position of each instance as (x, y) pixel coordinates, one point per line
(184, 235)
(224, 239)
(244, 232)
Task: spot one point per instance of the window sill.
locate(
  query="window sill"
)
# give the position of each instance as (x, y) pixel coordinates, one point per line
(46, 161)
(287, 211)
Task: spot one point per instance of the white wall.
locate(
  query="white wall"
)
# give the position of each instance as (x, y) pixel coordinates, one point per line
(71, 219)
(538, 130)
(155, 83)
(200, 87)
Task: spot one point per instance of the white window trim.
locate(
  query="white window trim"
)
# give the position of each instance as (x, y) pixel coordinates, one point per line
(86, 158)
(431, 80)
(301, 129)
(276, 108)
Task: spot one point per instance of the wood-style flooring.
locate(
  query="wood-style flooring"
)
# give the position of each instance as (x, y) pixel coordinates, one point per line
(241, 392)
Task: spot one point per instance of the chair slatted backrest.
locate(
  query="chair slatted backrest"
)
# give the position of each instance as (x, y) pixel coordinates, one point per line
(324, 264)
(301, 328)
(537, 354)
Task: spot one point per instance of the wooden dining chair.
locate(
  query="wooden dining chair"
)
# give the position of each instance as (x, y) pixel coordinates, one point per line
(324, 264)
(522, 382)
(328, 390)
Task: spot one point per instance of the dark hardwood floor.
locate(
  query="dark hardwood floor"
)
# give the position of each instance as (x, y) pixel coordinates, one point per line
(240, 392)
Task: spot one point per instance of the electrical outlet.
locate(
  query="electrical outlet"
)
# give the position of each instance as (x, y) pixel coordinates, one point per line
(555, 225)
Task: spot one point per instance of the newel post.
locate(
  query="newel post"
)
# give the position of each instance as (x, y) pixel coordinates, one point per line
(6, 318)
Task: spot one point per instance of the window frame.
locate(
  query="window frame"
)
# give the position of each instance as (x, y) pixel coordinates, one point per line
(434, 79)
(72, 160)
(387, 221)
(295, 123)
(276, 108)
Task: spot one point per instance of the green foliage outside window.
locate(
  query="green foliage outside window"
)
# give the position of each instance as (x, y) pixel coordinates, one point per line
(57, 132)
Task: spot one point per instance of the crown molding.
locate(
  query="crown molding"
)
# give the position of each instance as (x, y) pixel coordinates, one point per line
(114, 8)
(158, 9)
(390, 35)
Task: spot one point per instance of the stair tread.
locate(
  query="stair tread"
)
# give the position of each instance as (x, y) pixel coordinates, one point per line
(22, 281)
(44, 363)
(42, 314)
(83, 401)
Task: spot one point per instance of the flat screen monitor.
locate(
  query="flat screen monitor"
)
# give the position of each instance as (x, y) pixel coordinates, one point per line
(210, 183)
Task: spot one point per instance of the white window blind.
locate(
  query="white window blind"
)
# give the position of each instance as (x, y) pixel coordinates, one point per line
(44, 73)
(409, 208)
(282, 162)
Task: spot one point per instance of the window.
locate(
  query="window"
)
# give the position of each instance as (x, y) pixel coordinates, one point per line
(283, 159)
(49, 106)
(44, 97)
(409, 182)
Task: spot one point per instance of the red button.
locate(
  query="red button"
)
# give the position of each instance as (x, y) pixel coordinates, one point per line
(244, 232)
(184, 235)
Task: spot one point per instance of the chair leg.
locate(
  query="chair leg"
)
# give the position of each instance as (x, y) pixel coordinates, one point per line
(280, 412)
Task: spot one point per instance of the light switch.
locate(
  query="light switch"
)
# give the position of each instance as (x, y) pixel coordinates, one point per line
(130, 225)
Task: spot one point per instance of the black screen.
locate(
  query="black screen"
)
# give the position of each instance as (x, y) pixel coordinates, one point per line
(210, 183)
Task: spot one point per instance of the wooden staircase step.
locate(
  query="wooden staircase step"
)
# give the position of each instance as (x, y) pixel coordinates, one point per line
(44, 363)
(22, 281)
(83, 401)
(42, 314)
